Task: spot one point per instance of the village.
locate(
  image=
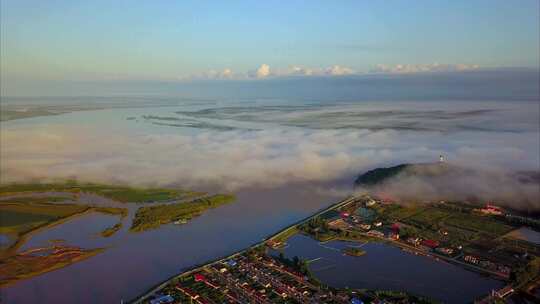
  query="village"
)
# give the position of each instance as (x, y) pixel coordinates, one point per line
(471, 236)
(437, 230)
(256, 277)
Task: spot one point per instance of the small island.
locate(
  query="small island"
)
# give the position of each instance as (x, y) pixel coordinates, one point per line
(354, 251)
(152, 217)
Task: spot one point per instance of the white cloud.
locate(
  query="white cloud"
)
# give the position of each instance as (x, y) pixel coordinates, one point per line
(337, 70)
(212, 74)
(423, 68)
(263, 71)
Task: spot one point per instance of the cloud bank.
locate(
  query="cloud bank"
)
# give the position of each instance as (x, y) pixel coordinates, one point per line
(423, 68)
(429, 183)
(264, 71)
(242, 145)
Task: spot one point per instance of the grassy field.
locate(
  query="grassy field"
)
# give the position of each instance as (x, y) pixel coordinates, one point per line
(283, 236)
(479, 224)
(154, 216)
(117, 193)
(19, 218)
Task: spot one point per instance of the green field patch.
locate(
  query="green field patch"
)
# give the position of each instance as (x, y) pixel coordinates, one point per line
(397, 212)
(476, 223)
(429, 217)
(11, 218)
(116, 193)
(330, 214)
(21, 217)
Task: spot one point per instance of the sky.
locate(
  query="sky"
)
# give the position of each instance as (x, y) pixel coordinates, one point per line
(183, 40)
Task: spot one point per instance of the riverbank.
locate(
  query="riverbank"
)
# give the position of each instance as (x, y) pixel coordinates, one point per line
(274, 236)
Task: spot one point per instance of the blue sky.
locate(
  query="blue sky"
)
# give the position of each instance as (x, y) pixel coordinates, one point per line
(166, 40)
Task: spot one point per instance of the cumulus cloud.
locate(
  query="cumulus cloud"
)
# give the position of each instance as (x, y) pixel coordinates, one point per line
(423, 68)
(295, 70)
(337, 70)
(213, 74)
(262, 71)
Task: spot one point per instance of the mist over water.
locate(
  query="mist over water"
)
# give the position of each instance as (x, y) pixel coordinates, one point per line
(270, 143)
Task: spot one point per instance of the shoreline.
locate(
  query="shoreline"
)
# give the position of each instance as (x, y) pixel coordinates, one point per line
(152, 290)
(402, 246)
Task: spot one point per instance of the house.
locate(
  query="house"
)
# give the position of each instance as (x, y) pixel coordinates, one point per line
(162, 300)
(199, 277)
(370, 202)
(413, 241)
(445, 250)
(375, 233)
(430, 243)
(377, 224)
(491, 209)
(471, 259)
(356, 301)
(273, 244)
(365, 226)
(338, 224)
(393, 235)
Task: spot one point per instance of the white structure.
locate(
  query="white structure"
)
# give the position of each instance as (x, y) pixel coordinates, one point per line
(441, 159)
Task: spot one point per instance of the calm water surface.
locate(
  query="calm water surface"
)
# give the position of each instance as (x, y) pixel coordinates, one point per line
(389, 268)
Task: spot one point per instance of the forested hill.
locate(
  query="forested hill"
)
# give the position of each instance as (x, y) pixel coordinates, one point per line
(376, 176)
(379, 175)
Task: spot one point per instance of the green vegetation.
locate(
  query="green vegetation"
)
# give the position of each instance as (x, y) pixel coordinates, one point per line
(286, 234)
(402, 297)
(6, 115)
(354, 251)
(122, 212)
(478, 223)
(318, 228)
(19, 218)
(300, 266)
(111, 230)
(379, 175)
(527, 274)
(36, 200)
(154, 216)
(117, 193)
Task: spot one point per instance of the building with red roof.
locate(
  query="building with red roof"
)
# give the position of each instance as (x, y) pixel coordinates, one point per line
(430, 243)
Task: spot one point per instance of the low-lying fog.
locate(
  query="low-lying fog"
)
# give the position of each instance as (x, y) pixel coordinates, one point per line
(272, 143)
